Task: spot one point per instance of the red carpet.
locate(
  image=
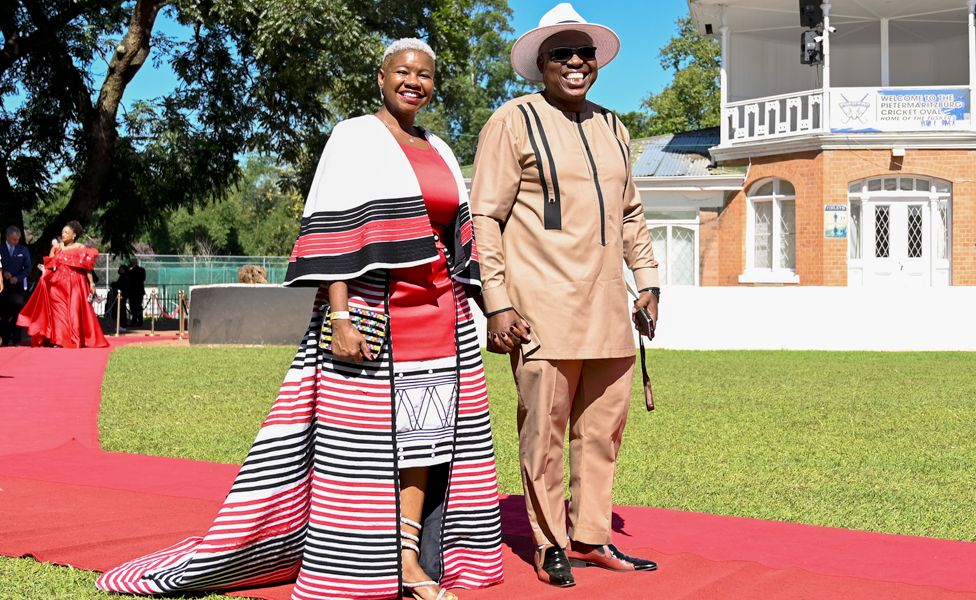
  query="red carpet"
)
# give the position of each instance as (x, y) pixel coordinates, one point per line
(64, 500)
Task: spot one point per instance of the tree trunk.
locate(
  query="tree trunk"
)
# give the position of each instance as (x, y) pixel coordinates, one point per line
(100, 126)
(11, 212)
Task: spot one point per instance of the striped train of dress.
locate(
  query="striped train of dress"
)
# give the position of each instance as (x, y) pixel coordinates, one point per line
(316, 500)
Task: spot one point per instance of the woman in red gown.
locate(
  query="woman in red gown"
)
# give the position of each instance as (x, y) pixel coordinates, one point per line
(58, 312)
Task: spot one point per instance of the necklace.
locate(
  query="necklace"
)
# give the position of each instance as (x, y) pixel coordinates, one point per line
(410, 139)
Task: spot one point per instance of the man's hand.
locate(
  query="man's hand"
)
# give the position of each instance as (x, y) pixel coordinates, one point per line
(647, 301)
(507, 331)
(348, 343)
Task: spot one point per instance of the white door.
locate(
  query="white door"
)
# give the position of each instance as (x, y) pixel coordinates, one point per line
(898, 251)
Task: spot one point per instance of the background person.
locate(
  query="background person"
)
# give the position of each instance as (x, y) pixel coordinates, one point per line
(17, 266)
(118, 294)
(556, 213)
(136, 292)
(59, 312)
(381, 433)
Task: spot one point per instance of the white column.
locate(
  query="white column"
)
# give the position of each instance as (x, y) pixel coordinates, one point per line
(724, 79)
(972, 59)
(929, 229)
(885, 64)
(825, 105)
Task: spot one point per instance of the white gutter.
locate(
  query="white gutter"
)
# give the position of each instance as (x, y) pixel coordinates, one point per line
(946, 140)
(692, 183)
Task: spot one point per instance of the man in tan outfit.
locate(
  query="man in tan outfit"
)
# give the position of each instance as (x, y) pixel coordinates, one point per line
(555, 215)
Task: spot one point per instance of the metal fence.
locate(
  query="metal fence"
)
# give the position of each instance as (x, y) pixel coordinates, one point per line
(167, 275)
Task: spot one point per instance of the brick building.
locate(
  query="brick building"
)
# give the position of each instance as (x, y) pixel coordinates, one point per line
(858, 170)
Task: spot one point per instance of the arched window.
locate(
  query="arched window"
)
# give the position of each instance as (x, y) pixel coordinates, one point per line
(674, 235)
(771, 233)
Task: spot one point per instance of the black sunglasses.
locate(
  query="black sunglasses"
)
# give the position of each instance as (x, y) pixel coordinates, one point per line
(565, 54)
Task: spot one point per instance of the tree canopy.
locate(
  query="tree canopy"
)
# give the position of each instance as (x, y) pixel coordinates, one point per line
(263, 76)
(692, 99)
(254, 217)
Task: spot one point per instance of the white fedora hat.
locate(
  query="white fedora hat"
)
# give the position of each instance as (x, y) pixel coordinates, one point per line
(563, 17)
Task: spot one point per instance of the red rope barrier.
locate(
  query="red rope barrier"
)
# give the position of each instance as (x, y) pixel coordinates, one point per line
(162, 310)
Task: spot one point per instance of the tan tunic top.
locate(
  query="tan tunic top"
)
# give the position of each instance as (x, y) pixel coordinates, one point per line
(555, 213)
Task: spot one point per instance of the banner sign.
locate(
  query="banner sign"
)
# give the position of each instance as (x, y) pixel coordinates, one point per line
(859, 110)
(835, 220)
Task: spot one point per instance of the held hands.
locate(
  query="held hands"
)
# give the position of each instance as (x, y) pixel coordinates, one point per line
(647, 301)
(348, 343)
(507, 331)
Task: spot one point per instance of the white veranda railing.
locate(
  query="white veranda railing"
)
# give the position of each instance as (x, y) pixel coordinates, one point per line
(774, 116)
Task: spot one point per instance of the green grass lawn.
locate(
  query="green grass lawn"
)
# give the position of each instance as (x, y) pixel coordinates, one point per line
(873, 441)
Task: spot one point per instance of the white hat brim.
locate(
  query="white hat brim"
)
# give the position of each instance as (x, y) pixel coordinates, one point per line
(525, 50)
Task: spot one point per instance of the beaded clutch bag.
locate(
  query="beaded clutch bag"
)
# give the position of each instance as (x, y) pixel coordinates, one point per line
(372, 325)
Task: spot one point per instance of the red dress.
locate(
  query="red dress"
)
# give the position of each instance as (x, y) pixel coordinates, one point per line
(58, 312)
(422, 310)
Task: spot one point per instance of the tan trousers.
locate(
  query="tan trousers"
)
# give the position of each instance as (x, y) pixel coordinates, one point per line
(593, 395)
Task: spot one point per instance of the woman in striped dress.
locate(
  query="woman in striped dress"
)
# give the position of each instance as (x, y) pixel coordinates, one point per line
(374, 472)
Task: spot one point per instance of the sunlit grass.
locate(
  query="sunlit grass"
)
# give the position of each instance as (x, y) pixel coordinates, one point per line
(872, 441)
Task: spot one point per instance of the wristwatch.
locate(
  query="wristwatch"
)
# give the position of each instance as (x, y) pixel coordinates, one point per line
(654, 290)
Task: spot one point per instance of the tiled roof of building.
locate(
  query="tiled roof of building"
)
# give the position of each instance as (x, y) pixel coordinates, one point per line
(682, 154)
(671, 155)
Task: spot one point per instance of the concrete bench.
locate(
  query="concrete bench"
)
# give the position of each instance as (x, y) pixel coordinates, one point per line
(249, 314)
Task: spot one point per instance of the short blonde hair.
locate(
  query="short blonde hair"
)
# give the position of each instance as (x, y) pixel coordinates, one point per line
(404, 44)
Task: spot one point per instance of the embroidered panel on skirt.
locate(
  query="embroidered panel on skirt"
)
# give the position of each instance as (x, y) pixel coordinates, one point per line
(426, 410)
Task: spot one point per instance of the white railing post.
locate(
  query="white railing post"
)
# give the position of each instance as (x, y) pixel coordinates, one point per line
(724, 79)
(825, 105)
(885, 61)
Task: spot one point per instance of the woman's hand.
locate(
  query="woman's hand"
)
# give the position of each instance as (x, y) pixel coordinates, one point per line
(348, 343)
(507, 331)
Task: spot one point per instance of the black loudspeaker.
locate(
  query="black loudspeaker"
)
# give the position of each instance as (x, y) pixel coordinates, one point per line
(811, 14)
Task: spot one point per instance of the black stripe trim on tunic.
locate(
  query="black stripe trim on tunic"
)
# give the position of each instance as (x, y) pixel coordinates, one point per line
(616, 134)
(551, 216)
(345, 220)
(596, 182)
(554, 205)
(345, 266)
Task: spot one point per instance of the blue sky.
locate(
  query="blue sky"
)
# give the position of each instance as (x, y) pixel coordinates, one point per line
(644, 27)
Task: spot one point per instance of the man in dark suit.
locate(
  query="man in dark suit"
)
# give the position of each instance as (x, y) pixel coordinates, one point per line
(17, 266)
(137, 291)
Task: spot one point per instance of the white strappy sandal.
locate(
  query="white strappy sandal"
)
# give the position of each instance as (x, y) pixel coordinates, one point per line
(410, 541)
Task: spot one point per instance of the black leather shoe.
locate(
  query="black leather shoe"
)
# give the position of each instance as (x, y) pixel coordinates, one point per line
(640, 564)
(606, 557)
(552, 567)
